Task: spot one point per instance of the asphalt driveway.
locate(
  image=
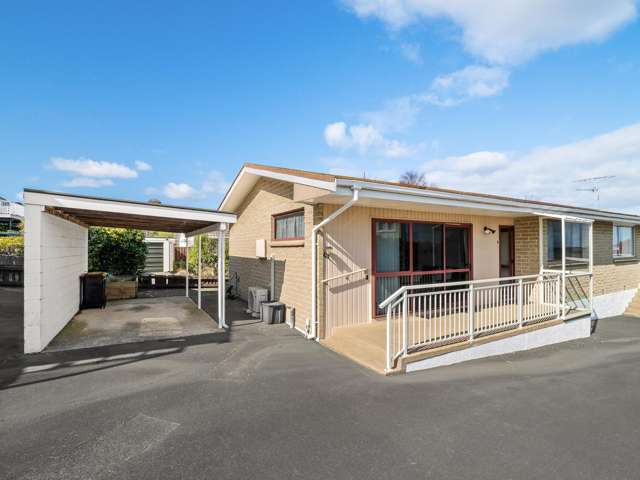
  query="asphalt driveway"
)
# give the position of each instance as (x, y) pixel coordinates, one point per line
(264, 403)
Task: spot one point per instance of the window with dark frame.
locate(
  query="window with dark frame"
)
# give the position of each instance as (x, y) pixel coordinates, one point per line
(289, 226)
(623, 241)
(418, 253)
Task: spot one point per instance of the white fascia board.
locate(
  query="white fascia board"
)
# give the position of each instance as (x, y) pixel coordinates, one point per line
(416, 195)
(110, 206)
(249, 176)
(287, 177)
(218, 227)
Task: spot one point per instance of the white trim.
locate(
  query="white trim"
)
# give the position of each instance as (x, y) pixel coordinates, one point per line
(285, 177)
(469, 200)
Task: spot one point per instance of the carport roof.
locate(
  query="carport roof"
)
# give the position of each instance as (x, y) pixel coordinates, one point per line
(110, 212)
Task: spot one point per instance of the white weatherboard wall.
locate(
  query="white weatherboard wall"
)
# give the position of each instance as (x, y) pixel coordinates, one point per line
(564, 332)
(55, 256)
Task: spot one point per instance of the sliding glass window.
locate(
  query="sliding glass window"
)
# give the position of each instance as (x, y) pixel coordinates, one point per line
(418, 253)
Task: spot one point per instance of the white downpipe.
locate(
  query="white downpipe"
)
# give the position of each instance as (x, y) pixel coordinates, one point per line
(272, 279)
(200, 272)
(314, 261)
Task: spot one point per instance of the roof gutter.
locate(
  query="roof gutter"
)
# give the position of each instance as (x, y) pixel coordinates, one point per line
(408, 194)
(314, 260)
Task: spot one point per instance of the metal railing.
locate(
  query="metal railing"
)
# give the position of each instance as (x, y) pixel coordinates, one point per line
(425, 316)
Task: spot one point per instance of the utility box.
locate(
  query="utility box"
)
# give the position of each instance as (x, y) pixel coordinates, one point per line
(272, 312)
(261, 248)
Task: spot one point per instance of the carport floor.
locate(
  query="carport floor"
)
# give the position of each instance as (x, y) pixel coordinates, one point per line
(136, 320)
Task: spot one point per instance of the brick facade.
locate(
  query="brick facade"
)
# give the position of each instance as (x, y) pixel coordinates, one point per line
(292, 259)
(609, 276)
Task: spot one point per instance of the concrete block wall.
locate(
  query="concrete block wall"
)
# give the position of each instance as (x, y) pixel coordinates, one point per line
(292, 258)
(56, 254)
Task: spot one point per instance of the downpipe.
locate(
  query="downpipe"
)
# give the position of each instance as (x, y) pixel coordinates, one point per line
(313, 335)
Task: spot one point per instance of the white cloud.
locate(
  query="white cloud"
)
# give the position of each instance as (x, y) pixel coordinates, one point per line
(214, 184)
(396, 116)
(412, 52)
(181, 191)
(474, 81)
(508, 31)
(20, 196)
(93, 168)
(142, 166)
(88, 182)
(549, 173)
(364, 138)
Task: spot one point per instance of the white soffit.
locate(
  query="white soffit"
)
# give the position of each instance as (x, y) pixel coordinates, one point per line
(65, 201)
(249, 176)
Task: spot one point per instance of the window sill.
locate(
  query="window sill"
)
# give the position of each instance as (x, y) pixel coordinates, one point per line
(287, 243)
(625, 259)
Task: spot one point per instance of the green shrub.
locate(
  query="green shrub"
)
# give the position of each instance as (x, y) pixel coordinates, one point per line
(209, 254)
(118, 251)
(12, 246)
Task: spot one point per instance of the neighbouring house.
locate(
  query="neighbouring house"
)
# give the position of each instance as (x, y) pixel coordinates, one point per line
(401, 277)
(11, 216)
(160, 254)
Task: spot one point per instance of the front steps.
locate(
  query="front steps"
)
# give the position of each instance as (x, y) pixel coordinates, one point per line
(633, 308)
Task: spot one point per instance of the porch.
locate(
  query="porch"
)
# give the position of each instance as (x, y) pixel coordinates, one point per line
(421, 319)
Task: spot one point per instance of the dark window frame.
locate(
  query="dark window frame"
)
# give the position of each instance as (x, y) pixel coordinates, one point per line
(290, 213)
(633, 242)
(414, 273)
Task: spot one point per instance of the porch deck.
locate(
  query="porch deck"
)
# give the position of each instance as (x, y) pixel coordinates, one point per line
(365, 344)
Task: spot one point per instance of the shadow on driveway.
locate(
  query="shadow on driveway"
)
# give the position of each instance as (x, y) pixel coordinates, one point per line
(99, 358)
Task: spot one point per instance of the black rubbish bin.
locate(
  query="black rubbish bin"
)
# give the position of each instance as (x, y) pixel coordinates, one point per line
(93, 290)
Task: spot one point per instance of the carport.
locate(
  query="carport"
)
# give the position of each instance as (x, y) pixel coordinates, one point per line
(56, 251)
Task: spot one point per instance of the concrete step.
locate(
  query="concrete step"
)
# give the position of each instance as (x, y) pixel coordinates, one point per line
(360, 351)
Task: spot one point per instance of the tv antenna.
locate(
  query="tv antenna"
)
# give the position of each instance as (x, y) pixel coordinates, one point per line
(595, 185)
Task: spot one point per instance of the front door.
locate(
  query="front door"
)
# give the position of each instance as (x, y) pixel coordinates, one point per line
(507, 260)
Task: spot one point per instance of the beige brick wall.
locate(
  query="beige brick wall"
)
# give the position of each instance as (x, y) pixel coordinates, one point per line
(293, 263)
(609, 275)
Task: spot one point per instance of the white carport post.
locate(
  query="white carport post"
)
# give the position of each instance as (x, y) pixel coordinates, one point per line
(563, 229)
(222, 274)
(200, 272)
(186, 283)
(591, 268)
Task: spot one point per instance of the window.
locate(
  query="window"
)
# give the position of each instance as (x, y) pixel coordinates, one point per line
(289, 226)
(577, 241)
(418, 253)
(623, 241)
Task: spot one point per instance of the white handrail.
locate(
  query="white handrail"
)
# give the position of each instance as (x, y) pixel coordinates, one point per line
(401, 290)
(421, 320)
(344, 275)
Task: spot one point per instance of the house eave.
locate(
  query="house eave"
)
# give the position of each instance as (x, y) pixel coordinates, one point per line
(406, 194)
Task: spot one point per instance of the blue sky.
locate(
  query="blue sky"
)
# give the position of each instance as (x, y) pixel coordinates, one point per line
(167, 99)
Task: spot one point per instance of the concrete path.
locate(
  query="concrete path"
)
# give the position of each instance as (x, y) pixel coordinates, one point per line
(264, 403)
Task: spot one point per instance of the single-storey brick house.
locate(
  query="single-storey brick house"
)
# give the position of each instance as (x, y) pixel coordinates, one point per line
(402, 277)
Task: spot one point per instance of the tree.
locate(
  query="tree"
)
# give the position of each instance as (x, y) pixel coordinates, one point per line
(413, 177)
(209, 255)
(118, 251)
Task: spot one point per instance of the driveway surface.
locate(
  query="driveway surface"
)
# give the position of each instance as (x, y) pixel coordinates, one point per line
(262, 402)
(134, 320)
